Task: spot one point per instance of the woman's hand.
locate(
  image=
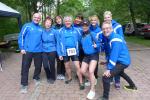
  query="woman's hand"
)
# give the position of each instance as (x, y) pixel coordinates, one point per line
(60, 57)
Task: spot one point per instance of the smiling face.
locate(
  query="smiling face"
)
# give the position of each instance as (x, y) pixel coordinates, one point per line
(47, 23)
(36, 18)
(93, 21)
(58, 20)
(107, 29)
(78, 20)
(107, 18)
(85, 28)
(68, 21)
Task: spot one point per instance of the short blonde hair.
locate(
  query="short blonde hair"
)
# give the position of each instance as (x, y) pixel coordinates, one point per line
(107, 13)
(94, 17)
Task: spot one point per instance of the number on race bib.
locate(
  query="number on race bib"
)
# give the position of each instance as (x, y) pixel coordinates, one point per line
(71, 51)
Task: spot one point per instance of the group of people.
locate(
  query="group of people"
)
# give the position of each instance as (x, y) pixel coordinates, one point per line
(80, 40)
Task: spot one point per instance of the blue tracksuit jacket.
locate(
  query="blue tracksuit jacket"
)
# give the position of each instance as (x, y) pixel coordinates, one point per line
(117, 28)
(97, 32)
(79, 27)
(87, 43)
(30, 38)
(68, 38)
(118, 51)
(49, 40)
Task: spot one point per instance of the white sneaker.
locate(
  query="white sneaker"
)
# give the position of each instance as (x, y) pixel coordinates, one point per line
(23, 89)
(62, 77)
(37, 82)
(87, 83)
(91, 95)
(58, 77)
(111, 83)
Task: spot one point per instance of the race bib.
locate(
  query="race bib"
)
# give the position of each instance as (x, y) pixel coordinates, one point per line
(71, 52)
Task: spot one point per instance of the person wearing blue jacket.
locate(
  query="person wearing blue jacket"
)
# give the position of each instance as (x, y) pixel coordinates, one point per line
(30, 44)
(117, 28)
(118, 61)
(90, 47)
(49, 50)
(60, 63)
(77, 24)
(68, 48)
(95, 28)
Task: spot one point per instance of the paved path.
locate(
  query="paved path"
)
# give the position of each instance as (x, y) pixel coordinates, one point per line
(139, 71)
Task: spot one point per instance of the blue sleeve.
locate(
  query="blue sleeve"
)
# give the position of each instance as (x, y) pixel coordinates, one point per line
(97, 43)
(102, 40)
(120, 31)
(115, 49)
(79, 35)
(21, 37)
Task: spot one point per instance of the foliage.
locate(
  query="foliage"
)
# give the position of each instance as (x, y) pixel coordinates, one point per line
(123, 11)
(71, 7)
(138, 40)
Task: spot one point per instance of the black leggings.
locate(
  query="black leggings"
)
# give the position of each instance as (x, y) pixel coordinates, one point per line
(117, 70)
(60, 67)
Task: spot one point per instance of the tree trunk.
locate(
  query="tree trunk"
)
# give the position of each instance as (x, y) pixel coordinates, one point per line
(57, 8)
(34, 5)
(44, 10)
(132, 15)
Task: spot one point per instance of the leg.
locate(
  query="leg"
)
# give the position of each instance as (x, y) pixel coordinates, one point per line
(117, 81)
(26, 62)
(84, 68)
(46, 65)
(127, 78)
(58, 66)
(38, 65)
(92, 67)
(106, 80)
(51, 60)
(62, 70)
(67, 66)
(106, 86)
(77, 65)
(96, 71)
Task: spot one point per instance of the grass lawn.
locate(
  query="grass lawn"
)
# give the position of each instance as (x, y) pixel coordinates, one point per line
(138, 40)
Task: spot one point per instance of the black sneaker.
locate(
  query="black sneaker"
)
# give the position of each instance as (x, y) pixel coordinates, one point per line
(68, 81)
(50, 81)
(130, 87)
(82, 86)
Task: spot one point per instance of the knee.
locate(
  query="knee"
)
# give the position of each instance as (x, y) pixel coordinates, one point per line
(83, 71)
(91, 72)
(67, 66)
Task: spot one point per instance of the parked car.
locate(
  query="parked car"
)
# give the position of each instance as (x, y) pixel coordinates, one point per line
(129, 29)
(146, 31)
